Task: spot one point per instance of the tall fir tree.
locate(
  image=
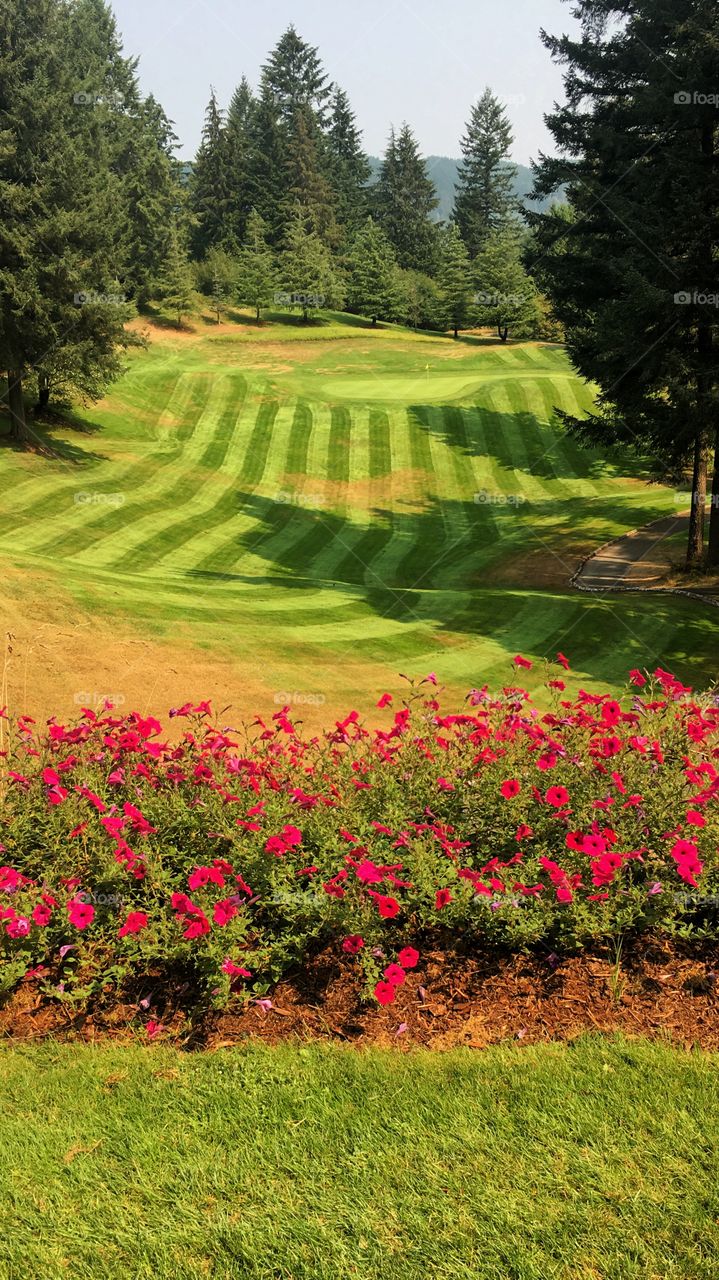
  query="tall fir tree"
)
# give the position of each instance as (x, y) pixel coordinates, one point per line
(256, 268)
(61, 211)
(455, 279)
(348, 165)
(372, 281)
(267, 166)
(294, 77)
(307, 186)
(210, 188)
(484, 200)
(175, 286)
(506, 296)
(404, 199)
(238, 130)
(638, 142)
(306, 270)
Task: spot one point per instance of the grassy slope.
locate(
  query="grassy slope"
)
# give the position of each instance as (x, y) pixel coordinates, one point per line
(593, 1161)
(310, 495)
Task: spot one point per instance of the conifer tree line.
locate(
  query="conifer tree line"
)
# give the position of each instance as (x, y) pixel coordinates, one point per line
(282, 210)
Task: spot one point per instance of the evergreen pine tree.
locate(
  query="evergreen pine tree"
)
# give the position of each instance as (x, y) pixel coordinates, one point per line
(507, 297)
(210, 198)
(348, 165)
(404, 199)
(372, 283)
(256, 271)
(175, 286)
(306, 270)
(484, 200)
(60, 230)
(307, 187)
(638, 142)
(455, 279)
(238, 132)
(293, 77)
(266, 169)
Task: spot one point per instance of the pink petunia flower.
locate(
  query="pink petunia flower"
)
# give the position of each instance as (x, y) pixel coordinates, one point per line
(135, 922)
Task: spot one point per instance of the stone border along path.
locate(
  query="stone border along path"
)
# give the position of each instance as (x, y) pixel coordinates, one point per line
(635, 561)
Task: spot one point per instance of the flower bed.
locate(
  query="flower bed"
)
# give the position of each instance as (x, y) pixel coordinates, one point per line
(222, 859)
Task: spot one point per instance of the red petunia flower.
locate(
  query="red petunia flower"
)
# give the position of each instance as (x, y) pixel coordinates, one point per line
(81, 913)
(387, 907)
(442, 898)
(563, 662)
(395, 974)
(224, 912)
(558, 797)
(353, 944)
(408, 958)
(197, 927)
(385, 992)
(136, 920)
(510, 788)
(519, 661)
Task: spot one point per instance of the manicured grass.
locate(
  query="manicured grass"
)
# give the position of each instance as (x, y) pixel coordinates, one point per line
(590, 1161)
(310, 495)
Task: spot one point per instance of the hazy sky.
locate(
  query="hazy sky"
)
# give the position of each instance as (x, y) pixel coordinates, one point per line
(424, 61)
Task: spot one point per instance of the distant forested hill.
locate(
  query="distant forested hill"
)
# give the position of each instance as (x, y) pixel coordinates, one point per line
(443, 172)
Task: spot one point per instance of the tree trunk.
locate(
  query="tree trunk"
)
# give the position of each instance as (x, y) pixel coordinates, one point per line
(456, 332)
(43, 392)
(713, 546)
(16, 404)
(695, 547)
(374, 322)
(257, 314)
(503, 332)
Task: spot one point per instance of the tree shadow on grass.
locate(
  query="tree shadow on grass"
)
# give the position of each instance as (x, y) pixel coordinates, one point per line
(42, 441)
(448, 547)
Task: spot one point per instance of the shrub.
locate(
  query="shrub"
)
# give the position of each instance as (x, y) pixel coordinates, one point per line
(222, 858)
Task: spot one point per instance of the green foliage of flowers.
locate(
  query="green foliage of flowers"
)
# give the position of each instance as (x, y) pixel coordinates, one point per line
(221, 859)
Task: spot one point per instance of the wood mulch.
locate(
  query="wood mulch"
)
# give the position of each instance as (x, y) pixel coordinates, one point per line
(660, 990)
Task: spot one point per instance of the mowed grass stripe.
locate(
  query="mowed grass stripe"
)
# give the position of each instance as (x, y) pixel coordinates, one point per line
(166, 506)
(87, 527)
(356, 561)
(243, 519)
(52, 498)
(213, 501)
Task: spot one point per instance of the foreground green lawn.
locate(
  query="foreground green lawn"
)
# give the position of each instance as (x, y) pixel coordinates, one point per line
(309, 498)
(594, 1160)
